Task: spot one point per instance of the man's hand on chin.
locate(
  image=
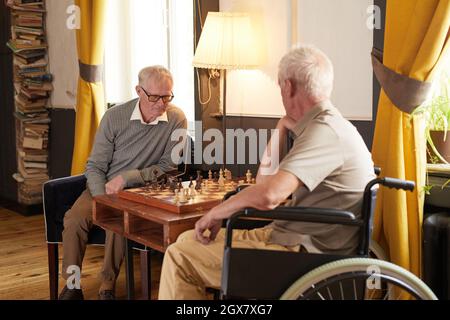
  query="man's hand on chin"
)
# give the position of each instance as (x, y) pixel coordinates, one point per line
(115, 185)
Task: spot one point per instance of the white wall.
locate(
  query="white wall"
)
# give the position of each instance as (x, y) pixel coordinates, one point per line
(63, 58)
(337, 27)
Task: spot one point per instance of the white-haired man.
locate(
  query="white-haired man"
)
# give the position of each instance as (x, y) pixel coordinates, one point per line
(328, 166)
(133, 144)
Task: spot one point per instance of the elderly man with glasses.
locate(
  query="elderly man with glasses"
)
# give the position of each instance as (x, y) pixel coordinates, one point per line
(133, 145)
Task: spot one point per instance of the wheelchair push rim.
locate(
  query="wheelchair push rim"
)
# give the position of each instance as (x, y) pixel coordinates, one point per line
(316, 283)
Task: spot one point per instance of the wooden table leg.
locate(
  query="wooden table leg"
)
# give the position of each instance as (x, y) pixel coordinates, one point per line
(146, 274)
(129, 269)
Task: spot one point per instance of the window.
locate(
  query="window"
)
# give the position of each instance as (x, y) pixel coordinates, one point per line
(140, 33)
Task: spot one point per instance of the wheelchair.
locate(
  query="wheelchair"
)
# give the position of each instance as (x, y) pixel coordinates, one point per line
(268, 274)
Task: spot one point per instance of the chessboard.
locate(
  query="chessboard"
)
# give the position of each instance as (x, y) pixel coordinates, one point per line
(204, 199)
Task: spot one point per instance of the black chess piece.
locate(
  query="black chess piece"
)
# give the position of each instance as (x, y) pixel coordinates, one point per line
(198, 183)
(172, 185)
(180, 185)
(190, 181)
(155, 175)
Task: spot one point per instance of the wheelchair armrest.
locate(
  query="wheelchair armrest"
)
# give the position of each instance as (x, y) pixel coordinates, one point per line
(305, 214)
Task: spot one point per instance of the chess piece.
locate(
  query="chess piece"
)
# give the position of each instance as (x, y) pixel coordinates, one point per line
(198, 182)
(172, 185)
(253, 180)
(190, 181)
(182, 196)
(216, 178)
(228, 176)
(221, 182)
(248, 175)
(180, 184)
(192, 192)
(210, 175)
(176, 195)
(155, 175)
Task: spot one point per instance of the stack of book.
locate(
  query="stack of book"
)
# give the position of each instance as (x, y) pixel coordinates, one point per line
(33, 85)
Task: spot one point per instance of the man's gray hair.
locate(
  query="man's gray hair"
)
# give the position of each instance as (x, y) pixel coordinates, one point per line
(309, 68)
(157, 73)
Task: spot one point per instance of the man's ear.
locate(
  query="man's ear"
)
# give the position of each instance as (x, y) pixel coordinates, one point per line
(289, 87)
(138, 90)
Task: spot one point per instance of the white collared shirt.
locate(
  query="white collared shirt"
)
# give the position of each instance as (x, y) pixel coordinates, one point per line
(137, 115)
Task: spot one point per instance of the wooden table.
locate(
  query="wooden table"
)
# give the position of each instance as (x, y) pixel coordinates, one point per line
(150, 226)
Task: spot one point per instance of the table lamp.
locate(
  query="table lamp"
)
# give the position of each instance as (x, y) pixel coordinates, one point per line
(227, 42)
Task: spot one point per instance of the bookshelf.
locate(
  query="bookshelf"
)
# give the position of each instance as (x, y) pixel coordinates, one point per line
(32, 89)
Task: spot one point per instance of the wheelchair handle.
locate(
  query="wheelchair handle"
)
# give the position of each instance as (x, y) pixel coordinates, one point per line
(398, 183)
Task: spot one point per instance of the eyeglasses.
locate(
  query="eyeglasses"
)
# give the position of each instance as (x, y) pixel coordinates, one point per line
(155, 98)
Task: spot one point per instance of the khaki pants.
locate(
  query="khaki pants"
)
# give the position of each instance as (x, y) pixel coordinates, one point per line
(189, 266)
(77, 223)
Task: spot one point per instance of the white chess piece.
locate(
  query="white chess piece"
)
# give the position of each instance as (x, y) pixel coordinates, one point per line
(210, 175)
(192, 192)
(176, 195)
(182, 196)
(228, 175)
(221, 182)
(249, 176)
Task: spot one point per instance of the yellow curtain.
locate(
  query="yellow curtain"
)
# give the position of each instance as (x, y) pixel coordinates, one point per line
(415, 38)
(90, 97)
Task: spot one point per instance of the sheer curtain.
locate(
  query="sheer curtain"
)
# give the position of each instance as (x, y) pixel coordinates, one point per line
(140, 33)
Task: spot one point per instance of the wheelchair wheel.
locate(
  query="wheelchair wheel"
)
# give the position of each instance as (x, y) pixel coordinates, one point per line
(359, 279)
(377, 252)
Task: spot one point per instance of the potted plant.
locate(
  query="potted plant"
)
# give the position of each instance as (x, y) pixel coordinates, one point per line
(438, 138)
(436, 112)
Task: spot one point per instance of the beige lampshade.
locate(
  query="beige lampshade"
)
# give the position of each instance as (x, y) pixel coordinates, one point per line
(226, 42)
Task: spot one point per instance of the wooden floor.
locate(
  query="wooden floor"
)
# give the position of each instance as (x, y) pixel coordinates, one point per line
(24, 266)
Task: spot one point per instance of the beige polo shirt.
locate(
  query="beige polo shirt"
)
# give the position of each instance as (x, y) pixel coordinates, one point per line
(331, 159)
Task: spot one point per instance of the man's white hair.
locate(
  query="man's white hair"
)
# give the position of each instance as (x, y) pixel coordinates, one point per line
(157, 73)
(309, 68)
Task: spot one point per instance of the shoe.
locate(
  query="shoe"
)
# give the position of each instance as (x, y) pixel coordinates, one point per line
(71, 294)
(106, 295)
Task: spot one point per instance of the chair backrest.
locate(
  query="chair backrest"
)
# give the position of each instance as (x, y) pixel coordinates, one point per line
(58, 197)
